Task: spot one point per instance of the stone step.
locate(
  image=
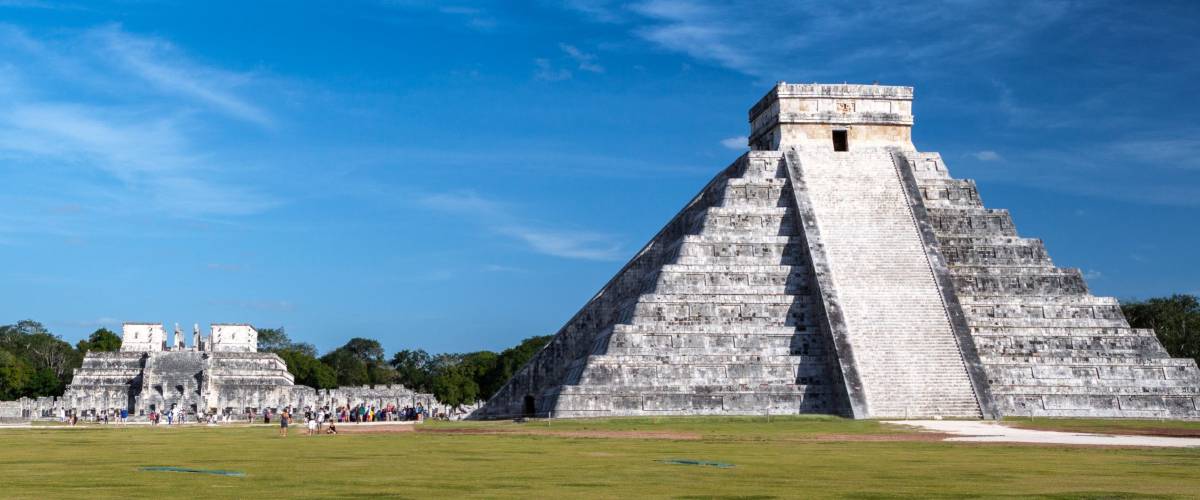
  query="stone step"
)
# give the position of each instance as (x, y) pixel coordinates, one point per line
(708, 329)
(950, 193)
(746, 253)
(671, 358)
(738, 239)
(1068, 330)
(1042, 300)
(976, 221)
(996, 361)
(717, 344)
(1035, 281)
(725, 299)
(1043, 311)
(755, 192)
(977, 323)
(700, 389)
(1100, 405)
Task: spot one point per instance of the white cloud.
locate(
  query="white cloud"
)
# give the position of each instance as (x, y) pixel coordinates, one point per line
(109, 101)
(546, 71)
(567, 244)
(501, 218)
(160, 63)
(586, 62)
(1092, 274)
(498, 268)
(737, 143)
(986, 155)
(803, 35)
(475, 17)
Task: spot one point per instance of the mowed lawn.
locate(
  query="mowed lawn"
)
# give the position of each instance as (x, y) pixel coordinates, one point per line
(616, 458)
(1174, 428)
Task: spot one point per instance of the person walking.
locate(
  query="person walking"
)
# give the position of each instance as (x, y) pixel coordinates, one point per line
(124, 416)
(283, 423)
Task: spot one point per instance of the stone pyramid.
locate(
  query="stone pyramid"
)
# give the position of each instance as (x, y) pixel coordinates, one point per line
(835, 269)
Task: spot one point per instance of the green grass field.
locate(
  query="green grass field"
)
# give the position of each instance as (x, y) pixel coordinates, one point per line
(1175, 428)
(617, 458)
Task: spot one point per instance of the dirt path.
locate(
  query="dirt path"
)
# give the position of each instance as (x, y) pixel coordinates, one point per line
(993, 432)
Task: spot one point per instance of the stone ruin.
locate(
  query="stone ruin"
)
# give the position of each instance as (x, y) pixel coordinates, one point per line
(836, 269)
(221, 373)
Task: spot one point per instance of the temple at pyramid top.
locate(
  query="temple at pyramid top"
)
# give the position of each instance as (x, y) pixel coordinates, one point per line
(832, 117)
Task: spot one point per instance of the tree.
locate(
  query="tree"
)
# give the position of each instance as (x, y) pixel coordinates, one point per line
(101, 340)
(1175, 319)
(510, 361)
(273, 339)
(367, 350)
(454, 386)
(43, 383)
(14, 376)
(413, 369)
(276, 340)
(46, 354)
(308, 370)
(348, 368)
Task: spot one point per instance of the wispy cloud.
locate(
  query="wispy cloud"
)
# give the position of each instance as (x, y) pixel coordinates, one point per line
(736, 143)
(546, 71)
(552, 71)
(163, 65)
(986, 155)
(499, 268)
(502, 219)
(565, 243)
(585, 61)
(1152, 171)
(475, 17)
(800, 34)
(108, 101)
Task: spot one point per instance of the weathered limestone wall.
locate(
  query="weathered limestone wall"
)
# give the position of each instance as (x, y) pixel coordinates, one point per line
(198, 382)
(898, 333)
(1049, 347)
(141, 337)
(805, 115)
(714, 316)
(233, 337)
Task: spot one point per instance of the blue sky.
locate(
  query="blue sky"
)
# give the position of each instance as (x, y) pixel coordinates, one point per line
(458, 176)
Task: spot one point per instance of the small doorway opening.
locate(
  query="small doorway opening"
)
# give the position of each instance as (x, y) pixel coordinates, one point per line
(840, 141)
(530, 406)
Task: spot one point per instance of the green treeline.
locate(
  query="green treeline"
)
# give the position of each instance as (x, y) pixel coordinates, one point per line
(455, 378)
(35, 362)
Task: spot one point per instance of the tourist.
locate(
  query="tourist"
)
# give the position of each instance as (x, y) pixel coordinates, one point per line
(170, 417)
(312, 426)
(124, 416)
(332, 428)
(283, 423)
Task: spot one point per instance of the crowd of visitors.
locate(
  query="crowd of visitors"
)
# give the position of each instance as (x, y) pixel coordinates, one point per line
(324, 420)
(321, 420)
